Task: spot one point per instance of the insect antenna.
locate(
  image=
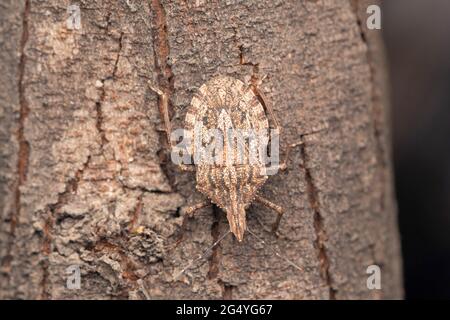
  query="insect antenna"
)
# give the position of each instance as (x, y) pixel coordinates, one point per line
(201, 256)
(276, 252)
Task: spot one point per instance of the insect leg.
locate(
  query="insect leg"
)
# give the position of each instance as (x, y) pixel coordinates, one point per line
(284, 164)
(268, 106)
(189, 211)
(163, 109)
(272, 206)
(203, 255)
(255, 82)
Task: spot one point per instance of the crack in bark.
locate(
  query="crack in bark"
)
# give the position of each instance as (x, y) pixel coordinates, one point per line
(255, 79)
(161, 48)
(214, 261)
(243, 62)
(116, 63)
(51, 212)
(161, 51)
(319, 229)
(24, 146)
(99, 103)
(128, 266)
(144, 189)
(227, 290)
(355, 8)
(377, 111)
(136, 212)
(99, 120)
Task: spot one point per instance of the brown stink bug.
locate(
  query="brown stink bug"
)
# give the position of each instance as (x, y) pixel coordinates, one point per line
(221, 104)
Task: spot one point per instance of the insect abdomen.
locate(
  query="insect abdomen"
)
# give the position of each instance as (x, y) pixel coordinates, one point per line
(219, 183)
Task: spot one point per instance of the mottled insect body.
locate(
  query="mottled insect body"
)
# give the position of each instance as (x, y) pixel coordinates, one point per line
(227, 104)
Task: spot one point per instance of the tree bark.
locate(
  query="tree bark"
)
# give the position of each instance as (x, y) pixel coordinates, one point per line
(86, 178)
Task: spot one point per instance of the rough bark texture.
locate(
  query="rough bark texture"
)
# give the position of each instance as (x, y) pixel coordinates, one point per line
(84, 168)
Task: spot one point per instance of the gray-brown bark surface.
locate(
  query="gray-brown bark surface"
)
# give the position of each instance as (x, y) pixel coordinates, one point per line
(86, 178)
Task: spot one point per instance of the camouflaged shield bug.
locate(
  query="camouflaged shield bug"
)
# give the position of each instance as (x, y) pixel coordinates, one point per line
(225, 103)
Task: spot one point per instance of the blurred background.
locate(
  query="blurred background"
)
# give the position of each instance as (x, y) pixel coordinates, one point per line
(417, 38)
